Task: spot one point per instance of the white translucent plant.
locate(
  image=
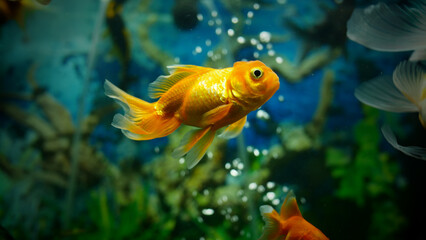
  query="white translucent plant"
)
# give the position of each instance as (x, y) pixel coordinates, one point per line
(405, 91)
(391, 28)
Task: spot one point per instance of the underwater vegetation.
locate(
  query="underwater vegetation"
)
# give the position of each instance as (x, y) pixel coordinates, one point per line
(66, 173)
(389, 27)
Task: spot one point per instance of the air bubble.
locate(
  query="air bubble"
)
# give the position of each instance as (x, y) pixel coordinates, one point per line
(207, 211)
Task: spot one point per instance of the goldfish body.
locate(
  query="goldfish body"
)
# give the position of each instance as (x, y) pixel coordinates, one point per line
(289, 224)
(207, 98)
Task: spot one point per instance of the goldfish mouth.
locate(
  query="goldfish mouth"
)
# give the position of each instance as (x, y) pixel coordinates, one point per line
(274, 85)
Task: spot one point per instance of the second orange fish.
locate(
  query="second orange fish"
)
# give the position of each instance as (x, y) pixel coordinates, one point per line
(207, 98)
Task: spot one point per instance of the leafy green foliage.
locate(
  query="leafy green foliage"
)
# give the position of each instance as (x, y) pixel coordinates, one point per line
(366, 176)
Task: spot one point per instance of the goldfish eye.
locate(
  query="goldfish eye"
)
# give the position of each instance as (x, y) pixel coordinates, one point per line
(256, 73)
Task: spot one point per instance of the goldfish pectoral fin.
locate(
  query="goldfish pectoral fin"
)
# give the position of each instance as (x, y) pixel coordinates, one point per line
(177, 73)
(374, 28)
(233, 129)
(271, 231)
(290, 207)
(215, 114)
(412, 151)
(195, 145)
(382, 93)
(409, 78)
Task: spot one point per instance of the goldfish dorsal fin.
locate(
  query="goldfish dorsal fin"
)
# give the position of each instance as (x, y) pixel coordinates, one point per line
(233, 129)
(290, 208)
(177, 73)
(271, 230)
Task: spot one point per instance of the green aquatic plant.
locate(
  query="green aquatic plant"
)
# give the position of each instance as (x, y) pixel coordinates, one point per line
(129, 222)
(367, 175)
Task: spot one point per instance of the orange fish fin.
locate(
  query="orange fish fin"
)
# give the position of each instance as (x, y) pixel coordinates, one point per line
(126, 101)
(195, 143)
(140, 121)
(164, 128)
(215, 114)
(233, 129)
(272, 228)
(290, 207)
(177, 73)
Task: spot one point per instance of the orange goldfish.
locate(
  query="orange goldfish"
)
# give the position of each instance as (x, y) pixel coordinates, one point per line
(206, 98)
(289, 224)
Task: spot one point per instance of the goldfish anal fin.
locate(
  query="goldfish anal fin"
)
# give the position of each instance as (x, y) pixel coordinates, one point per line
(195, 143)
(272, 228)
(290, 208)
(234, 129)
(199, 150)
(177, 72)
(215, 114)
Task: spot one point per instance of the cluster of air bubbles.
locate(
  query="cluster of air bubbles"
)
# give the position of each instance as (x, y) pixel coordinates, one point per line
(260, 43)
(215, 22)
(269, 192)
(256, 152)
(229, 215)
(223, 199)
(254, 187)
(235, 167)
(262, 114)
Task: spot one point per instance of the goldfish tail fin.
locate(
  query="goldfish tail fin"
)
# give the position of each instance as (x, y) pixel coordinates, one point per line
(194, 144)
(271, 231)
(140, 120)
